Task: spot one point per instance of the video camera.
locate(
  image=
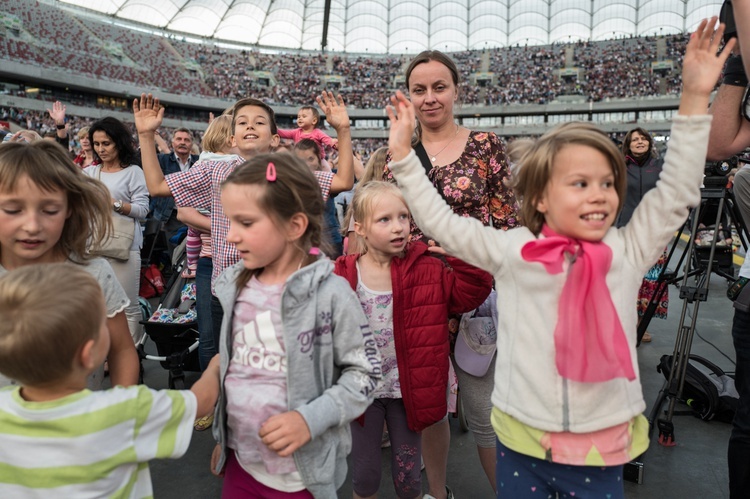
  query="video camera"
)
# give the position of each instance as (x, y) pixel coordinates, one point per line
(721, 168)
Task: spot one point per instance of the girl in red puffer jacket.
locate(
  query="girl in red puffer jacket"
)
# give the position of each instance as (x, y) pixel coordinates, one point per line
(406, 294)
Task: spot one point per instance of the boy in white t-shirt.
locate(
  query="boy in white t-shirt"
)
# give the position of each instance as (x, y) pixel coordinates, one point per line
(57, 438)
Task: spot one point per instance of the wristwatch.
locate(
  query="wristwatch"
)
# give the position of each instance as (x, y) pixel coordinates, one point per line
(118, 206)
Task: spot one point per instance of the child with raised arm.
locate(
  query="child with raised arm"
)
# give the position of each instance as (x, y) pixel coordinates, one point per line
(407, 295)
(58, 439)
(255, 133)
(307, 122)
(298, 361)
(567, 399)
(50, 211)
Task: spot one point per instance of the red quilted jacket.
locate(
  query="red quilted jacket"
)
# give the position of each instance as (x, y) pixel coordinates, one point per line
(425, 291)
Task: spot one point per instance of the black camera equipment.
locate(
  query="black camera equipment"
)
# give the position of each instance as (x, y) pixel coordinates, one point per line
(698, 263)
(726, 16)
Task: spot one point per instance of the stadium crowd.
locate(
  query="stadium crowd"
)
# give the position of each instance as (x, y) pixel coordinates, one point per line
(88, 47)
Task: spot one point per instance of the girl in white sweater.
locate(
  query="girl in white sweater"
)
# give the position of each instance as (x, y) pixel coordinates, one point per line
(567, 400)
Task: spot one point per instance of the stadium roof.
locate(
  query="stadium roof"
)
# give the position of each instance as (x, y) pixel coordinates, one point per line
(408, 26)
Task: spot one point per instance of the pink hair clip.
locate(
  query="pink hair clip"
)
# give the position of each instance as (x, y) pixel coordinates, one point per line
(314, 251)
(271, 172)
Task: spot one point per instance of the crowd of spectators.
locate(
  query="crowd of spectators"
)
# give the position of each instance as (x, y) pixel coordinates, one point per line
(43, 124)
(523, 74)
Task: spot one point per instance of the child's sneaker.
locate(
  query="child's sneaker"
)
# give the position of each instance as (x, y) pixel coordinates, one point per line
(448, 491)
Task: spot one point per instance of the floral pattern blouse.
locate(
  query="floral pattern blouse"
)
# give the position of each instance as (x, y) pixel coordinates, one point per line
(476, 185)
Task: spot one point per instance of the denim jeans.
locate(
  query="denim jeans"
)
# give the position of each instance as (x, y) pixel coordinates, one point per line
(739, 442)
(206, 345)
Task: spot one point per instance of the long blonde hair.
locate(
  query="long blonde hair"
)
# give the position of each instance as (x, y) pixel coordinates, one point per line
(364, 199)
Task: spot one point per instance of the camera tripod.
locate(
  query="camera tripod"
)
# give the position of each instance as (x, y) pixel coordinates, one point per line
(699, 263)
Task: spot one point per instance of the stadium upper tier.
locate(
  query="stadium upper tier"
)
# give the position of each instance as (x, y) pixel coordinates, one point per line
(409, 26)
(43, 35)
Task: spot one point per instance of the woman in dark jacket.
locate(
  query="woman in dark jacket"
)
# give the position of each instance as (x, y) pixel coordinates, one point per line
(644, 168)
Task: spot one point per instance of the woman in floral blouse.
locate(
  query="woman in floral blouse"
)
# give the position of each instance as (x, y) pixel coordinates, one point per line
(470, 170)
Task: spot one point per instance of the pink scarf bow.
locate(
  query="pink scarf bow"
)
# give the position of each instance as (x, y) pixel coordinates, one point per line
(590, 344)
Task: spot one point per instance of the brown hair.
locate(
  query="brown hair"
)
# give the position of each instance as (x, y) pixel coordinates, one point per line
(536, 164)
(218, 136)
(49, 167)
(49, 312)
(314, 112)
(629, 138)
(423, 58)
(250, 101)
(295, 190)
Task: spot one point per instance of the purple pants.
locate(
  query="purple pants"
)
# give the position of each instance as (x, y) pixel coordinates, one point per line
(406, 451)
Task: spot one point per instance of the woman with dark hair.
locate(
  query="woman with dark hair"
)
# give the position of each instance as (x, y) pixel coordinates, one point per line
(115, 154)
(470, 170)
(644, 168)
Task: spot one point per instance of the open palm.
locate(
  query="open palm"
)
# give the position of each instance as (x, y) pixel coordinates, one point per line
(335, 110)
(703, 62)
(148, 113)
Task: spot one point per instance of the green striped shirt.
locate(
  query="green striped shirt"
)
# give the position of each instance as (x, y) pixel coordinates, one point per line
(90, 444)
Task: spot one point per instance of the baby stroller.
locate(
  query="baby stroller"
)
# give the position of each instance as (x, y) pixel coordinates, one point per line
(173, 327)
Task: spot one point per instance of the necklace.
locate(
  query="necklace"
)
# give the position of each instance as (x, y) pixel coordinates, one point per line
(433, 157)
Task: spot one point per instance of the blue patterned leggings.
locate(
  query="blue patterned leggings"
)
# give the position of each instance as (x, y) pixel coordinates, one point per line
(521, 476)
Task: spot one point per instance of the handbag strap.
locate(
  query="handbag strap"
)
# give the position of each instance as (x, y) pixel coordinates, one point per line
(425, 160)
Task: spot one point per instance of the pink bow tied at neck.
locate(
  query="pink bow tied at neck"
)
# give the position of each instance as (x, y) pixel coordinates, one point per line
(590, 343)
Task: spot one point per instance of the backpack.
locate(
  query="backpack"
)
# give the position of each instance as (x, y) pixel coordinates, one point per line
(152, 282)
(708, 390)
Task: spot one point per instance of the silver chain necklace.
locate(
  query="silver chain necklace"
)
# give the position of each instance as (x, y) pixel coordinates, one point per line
(433, 157)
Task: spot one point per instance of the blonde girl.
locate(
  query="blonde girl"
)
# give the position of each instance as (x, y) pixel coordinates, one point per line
(50, 211)
(407, 295)
(373, 171)
(567, 401)
(298, 361)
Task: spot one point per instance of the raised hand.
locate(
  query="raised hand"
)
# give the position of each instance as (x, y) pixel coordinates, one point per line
(148, 114)
(401, 114)
(702, 66)
(334, 110)
(57, 112)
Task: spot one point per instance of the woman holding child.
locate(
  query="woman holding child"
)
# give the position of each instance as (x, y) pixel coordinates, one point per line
(470, 170)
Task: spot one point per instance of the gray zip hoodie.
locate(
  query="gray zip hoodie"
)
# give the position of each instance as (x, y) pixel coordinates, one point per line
(333, 367)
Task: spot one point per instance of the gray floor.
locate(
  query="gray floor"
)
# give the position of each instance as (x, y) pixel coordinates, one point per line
(694, 468)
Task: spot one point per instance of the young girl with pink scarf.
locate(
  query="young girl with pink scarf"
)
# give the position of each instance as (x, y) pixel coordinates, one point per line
(567, 399)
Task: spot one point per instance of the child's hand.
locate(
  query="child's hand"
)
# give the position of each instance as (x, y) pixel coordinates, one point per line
(285, 433)
(148, 114)
(437, 250)
(401, 114)
(215, 455)
(702, 66)
(335, 111)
